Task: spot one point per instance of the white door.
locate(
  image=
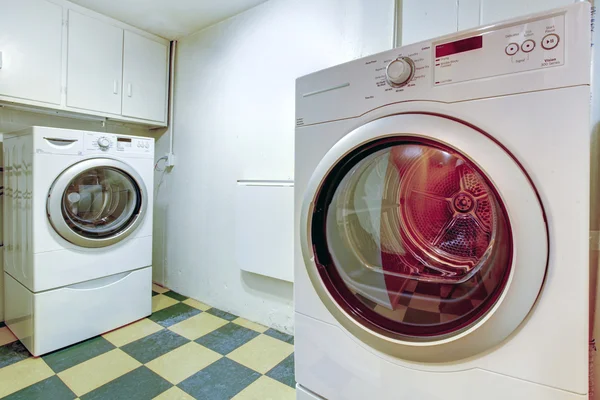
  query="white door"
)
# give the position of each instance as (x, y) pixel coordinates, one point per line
(144, 78)
(424, 237)
(31, 50)
(97, 202)
(95, 63)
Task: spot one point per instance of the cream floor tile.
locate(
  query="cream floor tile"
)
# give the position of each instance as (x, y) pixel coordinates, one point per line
(93, 373)
(183, 362)
(132, 332)
(250, 325)
(159, 289)
(6, 336)
(261, 353)
(22, 374)
(174, 394)
(199, 325)
(196, 304)
(265, 388)
(160, 301)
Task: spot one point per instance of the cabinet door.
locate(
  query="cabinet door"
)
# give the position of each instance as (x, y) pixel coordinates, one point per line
(144, 78)
(95, 62)
(31, 50)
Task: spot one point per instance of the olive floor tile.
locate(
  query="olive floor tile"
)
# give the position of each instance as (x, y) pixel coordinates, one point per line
(159, 289)
(91, 374)
(196, 304)
(221, 380)
(63, 359)
(221, 314)
(6, 336)
(153, 346)
(174, 394)
(227, 338)
(183, 362)
(176, 296)
(132, 332)
(198, 325)
(160, 302)
(51, 388)
(12, 353)
(262, 353)
(139, 384)
(284, 372)
(250, 325)
(265, 388)
(174, 314)
(280, 335)
(23, 374)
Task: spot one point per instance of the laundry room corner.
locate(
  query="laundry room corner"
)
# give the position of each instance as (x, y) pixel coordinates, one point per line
(234, 100)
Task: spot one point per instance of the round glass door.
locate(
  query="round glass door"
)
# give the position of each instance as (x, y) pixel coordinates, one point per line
(96, 202)
(411, 238)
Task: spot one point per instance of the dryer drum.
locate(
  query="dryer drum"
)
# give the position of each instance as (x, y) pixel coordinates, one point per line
(411, 238)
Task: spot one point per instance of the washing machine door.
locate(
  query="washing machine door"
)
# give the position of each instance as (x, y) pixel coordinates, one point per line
(97, 202)
(424, 237)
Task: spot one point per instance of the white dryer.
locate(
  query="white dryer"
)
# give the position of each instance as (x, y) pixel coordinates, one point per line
(78, 234)
(442, 217)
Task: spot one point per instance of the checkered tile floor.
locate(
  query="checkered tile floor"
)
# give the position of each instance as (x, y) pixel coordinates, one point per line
(184, 350)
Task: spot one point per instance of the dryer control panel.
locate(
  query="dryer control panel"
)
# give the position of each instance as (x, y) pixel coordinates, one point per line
(119, 144)
(535, 44)
(545, 51)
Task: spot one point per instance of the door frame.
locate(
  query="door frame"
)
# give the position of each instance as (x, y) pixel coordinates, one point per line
(55, 202)
(526, 219)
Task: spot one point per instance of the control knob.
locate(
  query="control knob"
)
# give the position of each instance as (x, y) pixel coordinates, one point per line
(400, 71)
(103, 143)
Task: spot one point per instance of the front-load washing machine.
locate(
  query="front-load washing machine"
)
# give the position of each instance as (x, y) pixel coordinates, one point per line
(442, 217)
(78, 234)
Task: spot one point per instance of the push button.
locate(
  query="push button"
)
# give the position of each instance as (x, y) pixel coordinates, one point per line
(527, 46)
(511, 49)
(550, 41)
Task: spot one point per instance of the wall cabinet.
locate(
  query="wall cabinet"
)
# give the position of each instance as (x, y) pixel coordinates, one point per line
(58, 55)
(31, 50)
(144, 77)
(95, 64)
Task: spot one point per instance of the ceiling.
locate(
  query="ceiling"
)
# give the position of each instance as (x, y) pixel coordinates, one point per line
(170, 19)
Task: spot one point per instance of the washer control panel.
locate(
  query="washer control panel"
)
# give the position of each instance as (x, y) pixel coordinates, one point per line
(533, 45)
(112, 143)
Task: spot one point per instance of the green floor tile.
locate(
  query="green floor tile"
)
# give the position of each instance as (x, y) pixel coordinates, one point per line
(221, 314)
(2, 324)
(284, 372)
(227, 338)
(175, 296)
(150, 347)
(174, 314)
(154, 293)
(221, 380)
(51, 388)
(12, 353)
(280, 335)
(63, 359)
(139, 384)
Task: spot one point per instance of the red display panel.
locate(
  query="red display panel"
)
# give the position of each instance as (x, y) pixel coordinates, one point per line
(460, 46)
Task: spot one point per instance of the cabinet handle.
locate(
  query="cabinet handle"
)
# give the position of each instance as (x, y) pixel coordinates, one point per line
(116, 86)
(129, 89)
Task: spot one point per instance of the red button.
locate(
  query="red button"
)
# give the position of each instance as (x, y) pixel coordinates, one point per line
(511, 49)
(550, 41)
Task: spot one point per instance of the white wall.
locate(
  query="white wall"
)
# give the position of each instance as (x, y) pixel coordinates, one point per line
(234, 119)
(426, 19)
(12, 120)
